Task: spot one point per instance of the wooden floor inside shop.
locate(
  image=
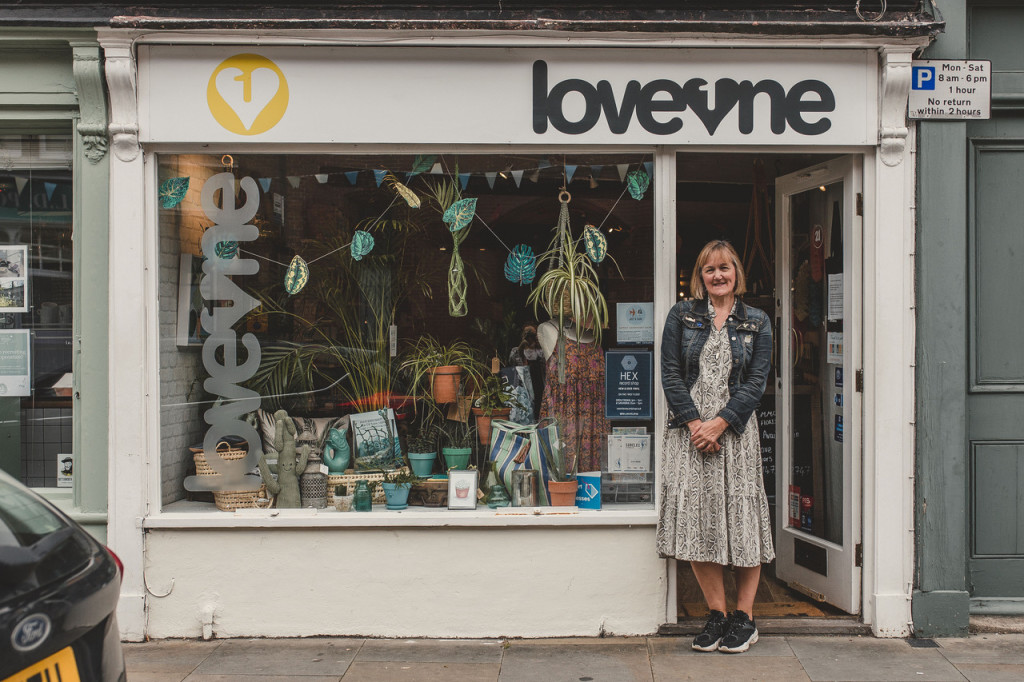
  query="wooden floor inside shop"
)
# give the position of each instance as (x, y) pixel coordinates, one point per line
(774, 598)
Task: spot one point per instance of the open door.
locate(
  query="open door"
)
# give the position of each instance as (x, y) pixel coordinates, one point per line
(818, 307)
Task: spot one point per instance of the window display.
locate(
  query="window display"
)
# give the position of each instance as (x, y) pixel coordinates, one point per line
(391, 311)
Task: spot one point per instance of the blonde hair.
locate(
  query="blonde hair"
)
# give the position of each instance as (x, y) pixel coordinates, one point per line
(697, 279)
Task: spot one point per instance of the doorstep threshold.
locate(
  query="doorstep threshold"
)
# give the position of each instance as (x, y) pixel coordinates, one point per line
(779, 626)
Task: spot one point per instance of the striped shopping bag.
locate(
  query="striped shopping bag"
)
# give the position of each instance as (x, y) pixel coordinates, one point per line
(525, 446)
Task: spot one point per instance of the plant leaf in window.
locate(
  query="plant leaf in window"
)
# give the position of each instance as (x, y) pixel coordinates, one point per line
(172, 191)
(296, 276)
(226, 250)
(521, 266)
(460, 214)
(637, 182)
(410, 197)
(423, 163)
(362, 244)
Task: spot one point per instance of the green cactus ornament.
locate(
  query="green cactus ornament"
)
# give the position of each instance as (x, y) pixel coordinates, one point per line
(290, 463)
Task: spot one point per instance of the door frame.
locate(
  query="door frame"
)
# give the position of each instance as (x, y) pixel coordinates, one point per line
(842, 587)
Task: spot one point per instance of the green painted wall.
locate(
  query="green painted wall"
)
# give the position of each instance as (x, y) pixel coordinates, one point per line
(52, 81)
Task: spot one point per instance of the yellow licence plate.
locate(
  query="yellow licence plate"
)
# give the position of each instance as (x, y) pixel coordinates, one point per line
(61, 667)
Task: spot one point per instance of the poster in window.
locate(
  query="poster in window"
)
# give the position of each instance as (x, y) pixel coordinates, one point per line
(15, 363)
(190, 302)
(13, 279)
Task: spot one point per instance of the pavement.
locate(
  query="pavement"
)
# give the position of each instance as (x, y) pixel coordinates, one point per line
(982, 657)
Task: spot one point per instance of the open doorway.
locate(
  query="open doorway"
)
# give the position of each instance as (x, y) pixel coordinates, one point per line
(788, 216)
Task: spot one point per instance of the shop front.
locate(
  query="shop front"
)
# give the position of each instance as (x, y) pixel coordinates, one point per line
(307, 232)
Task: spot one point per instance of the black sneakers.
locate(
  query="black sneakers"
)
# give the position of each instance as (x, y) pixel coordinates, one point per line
(714, 630)
(740, 633)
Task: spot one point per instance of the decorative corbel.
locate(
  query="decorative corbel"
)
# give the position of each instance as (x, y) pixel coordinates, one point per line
(119, 65)
(892, 125)
(92, 104)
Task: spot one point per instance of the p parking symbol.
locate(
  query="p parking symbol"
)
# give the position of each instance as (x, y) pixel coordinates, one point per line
(924, 78)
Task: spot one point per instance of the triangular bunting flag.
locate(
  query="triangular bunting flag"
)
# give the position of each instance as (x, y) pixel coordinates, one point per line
(379, 176)
(20, 182)
(595, 171)
(464, 179)
(517, 176)
(436, 168)
(491, 177)
(570, 171)
(543, 163)
(321, 178)
(649, 167)
(623, 169)
(50, 188)
(353, 177)
(293, 180)
(265, 184)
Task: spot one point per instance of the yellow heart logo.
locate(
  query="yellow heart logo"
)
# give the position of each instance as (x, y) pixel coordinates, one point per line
(247, 94)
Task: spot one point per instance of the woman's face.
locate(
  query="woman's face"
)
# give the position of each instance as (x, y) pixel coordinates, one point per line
(719, 275)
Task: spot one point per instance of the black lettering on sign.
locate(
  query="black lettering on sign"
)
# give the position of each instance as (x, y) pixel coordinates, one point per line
(662, 96)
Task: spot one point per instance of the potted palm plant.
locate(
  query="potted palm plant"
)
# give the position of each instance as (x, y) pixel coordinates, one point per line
(562, 467)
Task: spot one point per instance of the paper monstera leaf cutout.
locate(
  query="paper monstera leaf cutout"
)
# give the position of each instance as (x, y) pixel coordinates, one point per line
(410, 197)
(297, 275)
(459, 214)
(521, 266)
(226, 250)
(596, 244)
(362, 244)
(172, 191)
(637, 182)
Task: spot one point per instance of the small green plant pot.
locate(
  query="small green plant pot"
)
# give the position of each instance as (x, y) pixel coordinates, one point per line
(396, 495)
(422, 463)
(456, 458)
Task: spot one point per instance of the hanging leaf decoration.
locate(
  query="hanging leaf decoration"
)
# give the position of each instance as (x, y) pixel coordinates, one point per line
(521, 266)
(460, 214)
(423, 163)
(172, 191)
(296, 276)
(226, 250)
(596, 244)
(362, 244)
(637, 182)
(410, 197)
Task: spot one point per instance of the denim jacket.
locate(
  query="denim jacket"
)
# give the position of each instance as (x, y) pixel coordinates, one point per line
(687, 329)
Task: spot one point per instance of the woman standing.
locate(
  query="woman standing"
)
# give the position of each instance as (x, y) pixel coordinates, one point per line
(715, 358)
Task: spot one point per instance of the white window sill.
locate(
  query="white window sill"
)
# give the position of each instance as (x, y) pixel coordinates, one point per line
(198, 515)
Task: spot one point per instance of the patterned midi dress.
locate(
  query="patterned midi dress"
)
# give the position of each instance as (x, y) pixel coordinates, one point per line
(713, 506)
(578, 404)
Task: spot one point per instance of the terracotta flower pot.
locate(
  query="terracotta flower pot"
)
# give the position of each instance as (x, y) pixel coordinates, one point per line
(444, 383)
(483, 422)
(562, 493)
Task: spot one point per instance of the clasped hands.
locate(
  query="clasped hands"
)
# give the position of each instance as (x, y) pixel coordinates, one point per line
(704, 435)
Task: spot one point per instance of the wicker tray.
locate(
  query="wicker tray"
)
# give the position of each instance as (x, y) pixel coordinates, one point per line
(350, 482)
(246, 499)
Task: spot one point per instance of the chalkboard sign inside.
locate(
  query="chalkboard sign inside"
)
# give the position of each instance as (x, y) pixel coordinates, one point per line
(766, 423)
(802, 439)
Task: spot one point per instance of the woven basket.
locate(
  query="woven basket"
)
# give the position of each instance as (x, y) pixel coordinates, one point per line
(224, 449)
(349, 480)
(246, 499)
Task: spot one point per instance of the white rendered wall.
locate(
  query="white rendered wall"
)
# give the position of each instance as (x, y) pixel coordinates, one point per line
(429, 582)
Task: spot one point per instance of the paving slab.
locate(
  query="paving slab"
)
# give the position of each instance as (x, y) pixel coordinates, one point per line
(608, 659)
(680, 646)
(983, 649)
(196, 677)
(867, 659)
(728, 667)
(432, 650)
(409, 671)
(259, 657)
(156, 677)
(166, 655)
(991, 672)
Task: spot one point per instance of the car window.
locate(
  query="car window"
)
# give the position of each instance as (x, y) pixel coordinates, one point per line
(37, 545)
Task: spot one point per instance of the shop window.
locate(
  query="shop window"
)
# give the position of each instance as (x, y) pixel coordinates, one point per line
(347, 271)
(36, 265)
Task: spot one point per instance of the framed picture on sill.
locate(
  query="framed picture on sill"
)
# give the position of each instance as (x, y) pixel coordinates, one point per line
(462, 485)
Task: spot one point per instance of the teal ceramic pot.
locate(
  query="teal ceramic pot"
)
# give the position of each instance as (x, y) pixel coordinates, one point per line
(422, 463)
(456, 458)
(396, 495)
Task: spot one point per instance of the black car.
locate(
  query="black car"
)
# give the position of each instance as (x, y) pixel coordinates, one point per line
(58, 595)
